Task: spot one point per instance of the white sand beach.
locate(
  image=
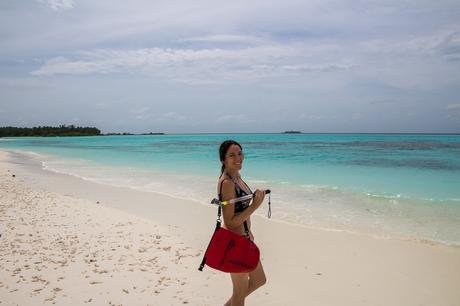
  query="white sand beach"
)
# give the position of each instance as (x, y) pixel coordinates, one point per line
(68, 241)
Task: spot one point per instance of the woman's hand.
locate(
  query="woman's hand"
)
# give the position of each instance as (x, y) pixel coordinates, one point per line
(259, 196)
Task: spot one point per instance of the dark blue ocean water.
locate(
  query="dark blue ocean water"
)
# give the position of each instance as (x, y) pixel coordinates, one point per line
(386, 184)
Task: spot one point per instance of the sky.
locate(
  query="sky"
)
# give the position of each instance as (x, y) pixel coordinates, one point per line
(231, 66)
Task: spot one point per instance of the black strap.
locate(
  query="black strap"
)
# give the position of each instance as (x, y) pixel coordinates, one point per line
(218, 223)
(220, 189)
(269, 206)
(246, 227)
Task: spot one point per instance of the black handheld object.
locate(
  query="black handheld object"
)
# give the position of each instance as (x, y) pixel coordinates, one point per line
(246, 197)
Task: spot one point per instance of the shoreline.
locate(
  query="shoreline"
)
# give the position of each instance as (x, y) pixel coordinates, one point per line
(29, 157)
(303, 265)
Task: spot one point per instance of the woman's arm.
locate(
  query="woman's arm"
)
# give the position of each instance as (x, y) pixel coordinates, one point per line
(228, 192)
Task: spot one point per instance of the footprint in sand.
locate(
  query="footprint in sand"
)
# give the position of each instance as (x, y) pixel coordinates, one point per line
(50, 299)
(95, 282)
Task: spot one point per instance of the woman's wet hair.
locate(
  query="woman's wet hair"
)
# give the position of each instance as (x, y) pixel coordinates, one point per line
(223, 151)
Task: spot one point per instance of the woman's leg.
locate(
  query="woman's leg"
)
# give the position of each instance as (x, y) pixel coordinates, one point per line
(256, 278)
(246, 283)
(240, 287)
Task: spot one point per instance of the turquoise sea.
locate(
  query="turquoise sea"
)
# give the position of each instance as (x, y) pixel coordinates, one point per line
(390, 185)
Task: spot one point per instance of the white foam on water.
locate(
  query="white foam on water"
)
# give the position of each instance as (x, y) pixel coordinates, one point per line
(315, 206)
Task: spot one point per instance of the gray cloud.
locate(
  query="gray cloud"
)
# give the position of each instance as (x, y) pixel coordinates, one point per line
(194, 65)
(403, 63)
(453, 106)
(319, 63)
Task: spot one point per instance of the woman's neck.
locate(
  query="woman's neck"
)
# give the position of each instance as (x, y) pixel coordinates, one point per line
(233, 174)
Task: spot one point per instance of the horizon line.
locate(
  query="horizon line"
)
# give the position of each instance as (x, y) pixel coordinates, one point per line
(204, 133)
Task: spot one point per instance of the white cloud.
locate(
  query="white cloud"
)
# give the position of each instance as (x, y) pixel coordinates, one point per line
(61, 65)
(173, 116)
(101, 105)
(141, 110)
(226, 38)
(397, 62)
(231, 118)
(142, 117)
(58, 5)
(198, 65)
(323, 54)
(316, 68)
(433, 43)
(142, 113)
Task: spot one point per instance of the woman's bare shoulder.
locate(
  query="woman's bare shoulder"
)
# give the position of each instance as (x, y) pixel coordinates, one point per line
(227, 188)
(225, 181)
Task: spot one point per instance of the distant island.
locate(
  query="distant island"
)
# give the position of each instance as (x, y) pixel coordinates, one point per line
(49, 131)
(62, 130)
(123, 134)
(152, 133)
(292, 132)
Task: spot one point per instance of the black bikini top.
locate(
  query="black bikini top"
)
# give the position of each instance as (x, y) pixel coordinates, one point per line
(240, 205)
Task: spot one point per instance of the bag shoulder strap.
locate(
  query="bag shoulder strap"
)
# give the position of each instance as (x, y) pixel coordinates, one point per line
(219, 211)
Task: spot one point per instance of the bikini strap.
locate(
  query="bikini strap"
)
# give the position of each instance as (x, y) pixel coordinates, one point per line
(237, 186)
(250, 191)
(231, 180)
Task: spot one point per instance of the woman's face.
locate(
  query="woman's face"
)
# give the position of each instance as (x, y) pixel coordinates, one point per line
(234, 158)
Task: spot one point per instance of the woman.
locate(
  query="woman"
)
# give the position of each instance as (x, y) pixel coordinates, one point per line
(235, 216)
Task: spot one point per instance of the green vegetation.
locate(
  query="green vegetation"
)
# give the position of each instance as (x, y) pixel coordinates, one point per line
(62, 130)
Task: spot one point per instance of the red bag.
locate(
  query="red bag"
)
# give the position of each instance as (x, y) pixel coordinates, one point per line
(230, 252)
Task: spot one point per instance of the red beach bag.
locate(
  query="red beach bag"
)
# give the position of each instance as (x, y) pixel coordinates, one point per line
(230, 252)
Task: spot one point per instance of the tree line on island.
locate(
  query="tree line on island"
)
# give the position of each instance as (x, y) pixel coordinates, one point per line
(69, 130)
(62, 130)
